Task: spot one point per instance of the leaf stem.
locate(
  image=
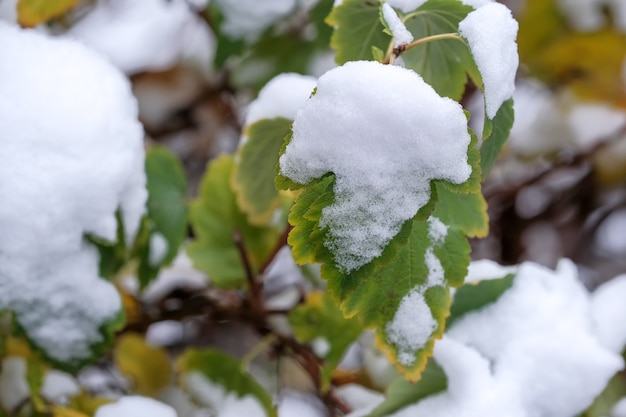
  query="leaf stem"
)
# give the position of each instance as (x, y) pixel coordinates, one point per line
(399, 50)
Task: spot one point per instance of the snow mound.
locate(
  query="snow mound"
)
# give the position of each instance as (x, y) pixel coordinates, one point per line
(282, 96)
(135, 406)
(385, 134)
(534, 352)
(73, 155)
(147, 35)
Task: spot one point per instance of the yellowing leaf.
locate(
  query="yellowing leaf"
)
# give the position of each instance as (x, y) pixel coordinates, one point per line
(33, 12)
(253, 174)
(58, 411)
(147, 366)
(590, 64)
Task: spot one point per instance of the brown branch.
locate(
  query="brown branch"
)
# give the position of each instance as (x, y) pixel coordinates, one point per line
(282, 242)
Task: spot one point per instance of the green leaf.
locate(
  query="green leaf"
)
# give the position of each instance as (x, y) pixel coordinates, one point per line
(467, 212)
(402, 393)
(444, 64)
(321, 322)
(474, 296)
(496, 132)
(167, 209)
(358, 29)
(225, 372)
(215, 218)
(30, 13)
(375, 291)
(253, 175)
(113, 255)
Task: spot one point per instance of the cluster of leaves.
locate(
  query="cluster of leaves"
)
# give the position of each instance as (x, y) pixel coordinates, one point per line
(244, 213)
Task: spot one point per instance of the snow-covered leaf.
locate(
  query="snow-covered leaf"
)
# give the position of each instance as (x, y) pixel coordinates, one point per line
(33, 12)
(444, 64)
(215, 218)
(389, 262)
(491, 32)
(402, 392)
(495, 134)
(148, 367)
(217, 380)
(253, 175)
(320, 322)
(357, 30)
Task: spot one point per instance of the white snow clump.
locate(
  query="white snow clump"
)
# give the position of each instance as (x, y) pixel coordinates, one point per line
(400, 32)
(246, 19)
(491, 31)
(282, 96)
(147, 35)
(534, 352)
(72, 156)
(385, 134)
(406, 6)
(135, 406)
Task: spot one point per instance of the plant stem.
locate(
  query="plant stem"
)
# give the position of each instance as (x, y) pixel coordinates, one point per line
(399, 50)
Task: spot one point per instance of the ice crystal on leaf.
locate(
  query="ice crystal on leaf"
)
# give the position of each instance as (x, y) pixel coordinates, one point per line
(385, 134)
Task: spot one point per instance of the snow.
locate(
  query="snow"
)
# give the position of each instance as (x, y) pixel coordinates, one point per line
(383, 164)
(491, 31)
(135, 406)
(147, 35)
(226, 404)
(411, 327)
(320, 346)
(73, 155)
(437, 230)
(295, 404)
(406, 6)
(610, 237)
(541, 329)
(282, 96)
(181, 274)
(608, 311)
(476, 3)
(400, 33)
(13, 386)
(157, 249)
(246, 19)
(593, 123)
(8, 10)
(59, 386)
(619, 410)
(486, 269)
(360, 399)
